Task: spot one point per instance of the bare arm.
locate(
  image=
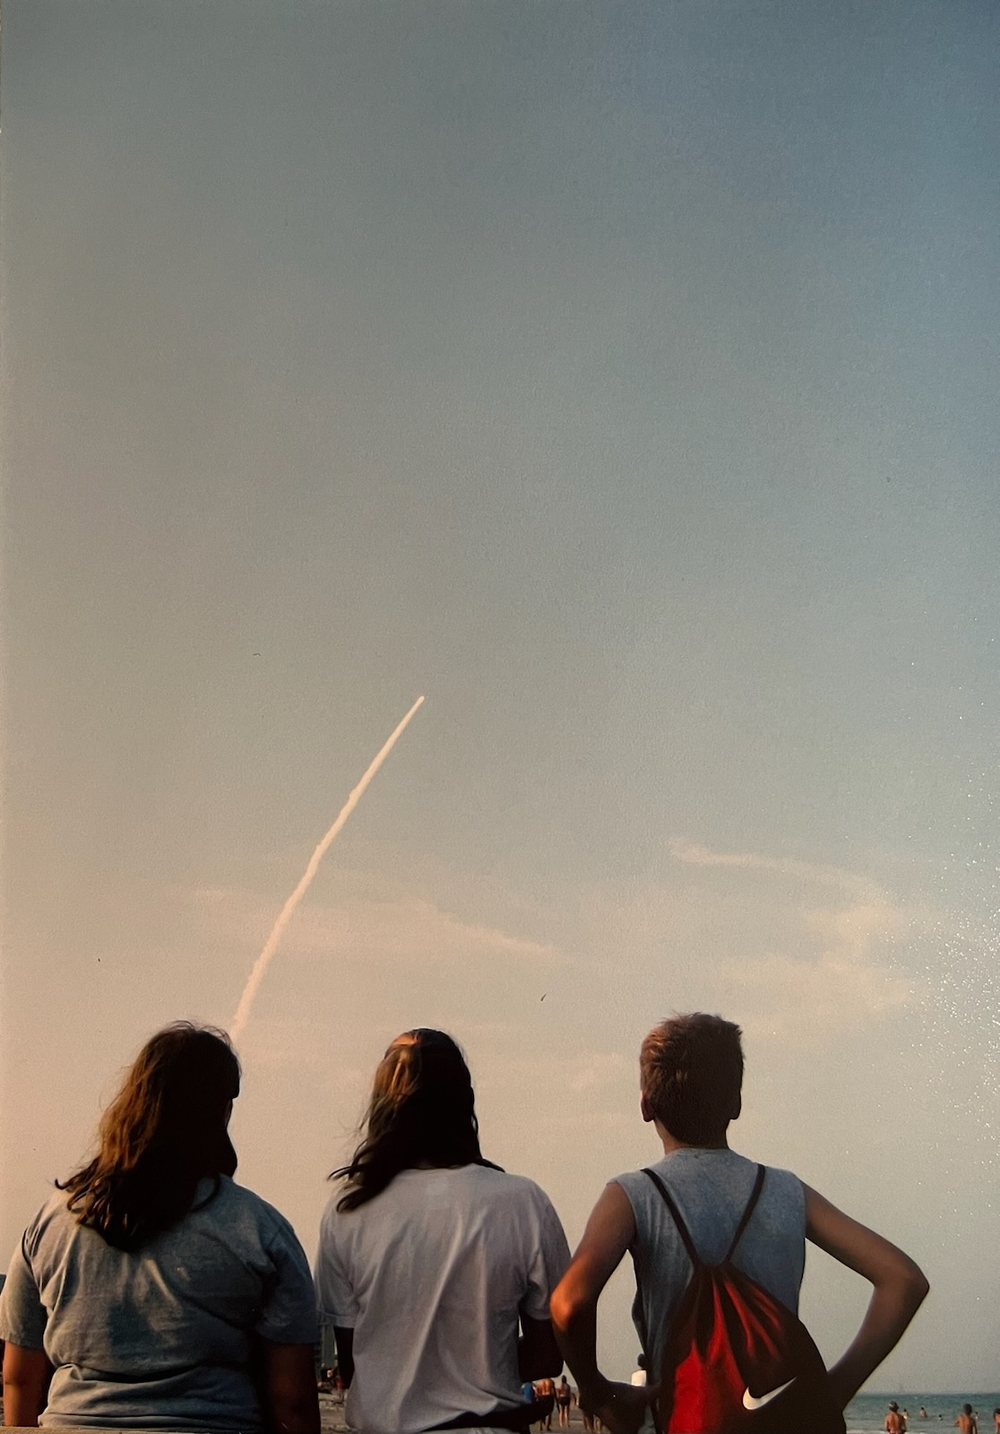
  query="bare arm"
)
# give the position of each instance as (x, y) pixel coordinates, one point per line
(610, 1230)
(538, 1355)
(26, 1376)
(290, 1388)
(899, 1289)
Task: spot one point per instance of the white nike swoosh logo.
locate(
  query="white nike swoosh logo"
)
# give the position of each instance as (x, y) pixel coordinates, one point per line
(750, 1403)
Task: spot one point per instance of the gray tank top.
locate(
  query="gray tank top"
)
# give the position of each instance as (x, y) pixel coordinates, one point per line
(711, 1189)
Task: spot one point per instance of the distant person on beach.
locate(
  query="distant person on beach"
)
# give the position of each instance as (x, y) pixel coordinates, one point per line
(564, 1398)
(966, 1421)
(150, 1291)
(431, 1259)
(895, 1423)
(547, 1391)
(691, 1072)
(996, 1420)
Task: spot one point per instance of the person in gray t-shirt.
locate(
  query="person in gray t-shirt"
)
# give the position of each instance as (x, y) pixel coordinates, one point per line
(691, 1075)
(150, 1291)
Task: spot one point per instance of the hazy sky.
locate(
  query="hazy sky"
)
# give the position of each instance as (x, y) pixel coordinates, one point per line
(622, 377)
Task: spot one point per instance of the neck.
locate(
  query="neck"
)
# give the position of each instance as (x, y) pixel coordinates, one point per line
(671, 1143)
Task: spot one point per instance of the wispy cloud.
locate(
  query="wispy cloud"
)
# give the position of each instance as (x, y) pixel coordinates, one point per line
(404, 929)
(695, 855)
(819, 995)
(825, 964)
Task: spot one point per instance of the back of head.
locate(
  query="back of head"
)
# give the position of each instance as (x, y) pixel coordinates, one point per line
(164, 1131)
(422, 1112)
(691, 1070)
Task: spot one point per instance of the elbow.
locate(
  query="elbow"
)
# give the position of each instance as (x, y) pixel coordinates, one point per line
(919, 1286)
(911, 1284)
(562, 1309)
(566, 1309)
(916, 1282)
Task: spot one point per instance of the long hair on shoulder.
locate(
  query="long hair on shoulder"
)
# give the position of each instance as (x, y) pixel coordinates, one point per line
(422, 1112)
(164, 1131)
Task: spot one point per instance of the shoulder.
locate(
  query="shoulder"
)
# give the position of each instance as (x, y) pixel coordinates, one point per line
(634, 1181)
(237, 1203)
(688, 1171)
(53, 1217)
(782, 1195)
(517, 1191)
(56, 1208)
(511, 1203)
(785, 1183)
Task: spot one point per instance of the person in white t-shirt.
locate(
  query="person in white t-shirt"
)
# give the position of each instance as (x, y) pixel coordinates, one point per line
(435, 1267)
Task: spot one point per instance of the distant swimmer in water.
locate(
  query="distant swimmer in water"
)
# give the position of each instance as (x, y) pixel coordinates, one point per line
(966, 1421)
(894, 1421)
(923, 1413)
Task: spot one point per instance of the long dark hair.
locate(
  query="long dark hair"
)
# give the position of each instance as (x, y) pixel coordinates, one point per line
(422, 1112)
(164, 1131)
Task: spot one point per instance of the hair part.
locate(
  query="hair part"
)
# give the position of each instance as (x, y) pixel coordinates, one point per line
(691, 1070)
(164, 1131)
(422, 1112)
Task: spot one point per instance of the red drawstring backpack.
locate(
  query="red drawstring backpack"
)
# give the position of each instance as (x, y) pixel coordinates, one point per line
(736, 1361)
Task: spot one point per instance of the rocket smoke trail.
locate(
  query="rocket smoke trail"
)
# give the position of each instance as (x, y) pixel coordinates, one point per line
(261, 964)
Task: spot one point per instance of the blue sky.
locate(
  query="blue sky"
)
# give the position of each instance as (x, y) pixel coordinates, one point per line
(620, 377)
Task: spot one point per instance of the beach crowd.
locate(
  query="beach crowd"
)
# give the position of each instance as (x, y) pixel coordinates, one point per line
(153, 1292)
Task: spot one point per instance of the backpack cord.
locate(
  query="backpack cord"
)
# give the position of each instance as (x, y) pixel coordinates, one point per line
(682, 1229)
(758, 1186)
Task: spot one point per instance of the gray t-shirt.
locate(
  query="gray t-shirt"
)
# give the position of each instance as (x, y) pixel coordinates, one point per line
(160, 1338)
(711, 1189)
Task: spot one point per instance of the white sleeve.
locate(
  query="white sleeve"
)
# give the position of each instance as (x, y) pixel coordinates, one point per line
(548, 1259)
(335, 1297)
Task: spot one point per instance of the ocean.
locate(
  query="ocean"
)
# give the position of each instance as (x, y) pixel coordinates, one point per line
(866, 1413)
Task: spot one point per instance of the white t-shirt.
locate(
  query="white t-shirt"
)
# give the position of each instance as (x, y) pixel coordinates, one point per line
(432, 1276)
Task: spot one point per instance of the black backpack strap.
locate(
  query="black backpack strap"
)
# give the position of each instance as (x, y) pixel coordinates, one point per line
(682, 1229)
(751, 1206)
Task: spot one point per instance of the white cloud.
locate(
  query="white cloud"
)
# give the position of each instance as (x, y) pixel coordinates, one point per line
(781, 995)
(823, 967)
(695, 855)
(397, 927)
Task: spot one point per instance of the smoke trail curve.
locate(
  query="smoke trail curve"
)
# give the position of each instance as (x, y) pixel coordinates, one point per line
(287, 911)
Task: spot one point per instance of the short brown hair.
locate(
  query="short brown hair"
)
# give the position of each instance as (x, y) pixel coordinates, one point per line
(691, 1070)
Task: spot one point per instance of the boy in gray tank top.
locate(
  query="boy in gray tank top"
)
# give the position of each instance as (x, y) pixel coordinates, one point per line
(691, 1070)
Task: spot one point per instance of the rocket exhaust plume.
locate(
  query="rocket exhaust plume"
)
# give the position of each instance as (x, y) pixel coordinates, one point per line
(288, 910)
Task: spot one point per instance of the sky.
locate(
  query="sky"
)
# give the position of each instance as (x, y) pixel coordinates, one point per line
(622, 378)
